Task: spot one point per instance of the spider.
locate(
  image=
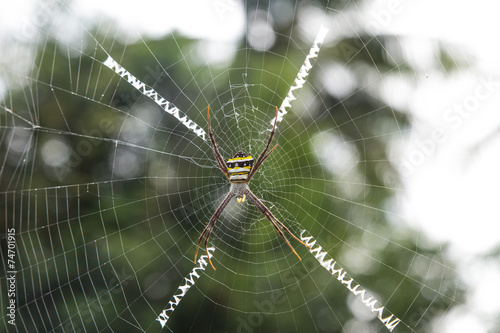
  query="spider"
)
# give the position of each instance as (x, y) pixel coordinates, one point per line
(239, 170)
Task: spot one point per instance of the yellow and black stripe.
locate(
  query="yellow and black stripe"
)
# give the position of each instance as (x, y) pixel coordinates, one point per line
(239, 167)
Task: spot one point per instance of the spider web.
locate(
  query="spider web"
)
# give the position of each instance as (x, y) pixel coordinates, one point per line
(108, 177)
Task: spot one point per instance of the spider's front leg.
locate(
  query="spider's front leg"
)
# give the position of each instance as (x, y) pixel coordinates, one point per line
(218, 156)
(210, 225)
(263, 156)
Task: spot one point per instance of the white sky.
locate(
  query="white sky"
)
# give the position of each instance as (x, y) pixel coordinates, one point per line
(216, 19)
(452, 195)
(454, 188)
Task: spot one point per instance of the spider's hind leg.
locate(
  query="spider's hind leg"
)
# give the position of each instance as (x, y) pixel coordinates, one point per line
(208, 229)
(275, 222)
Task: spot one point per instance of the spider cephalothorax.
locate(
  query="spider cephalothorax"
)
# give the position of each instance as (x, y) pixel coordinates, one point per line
(239, 170)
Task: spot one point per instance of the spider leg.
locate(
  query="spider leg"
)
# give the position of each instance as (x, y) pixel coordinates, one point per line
(210, 225)
(263, 156)
(274, 221)
(218, 156)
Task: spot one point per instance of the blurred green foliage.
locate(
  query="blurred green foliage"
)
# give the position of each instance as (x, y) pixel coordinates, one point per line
(104, 252)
